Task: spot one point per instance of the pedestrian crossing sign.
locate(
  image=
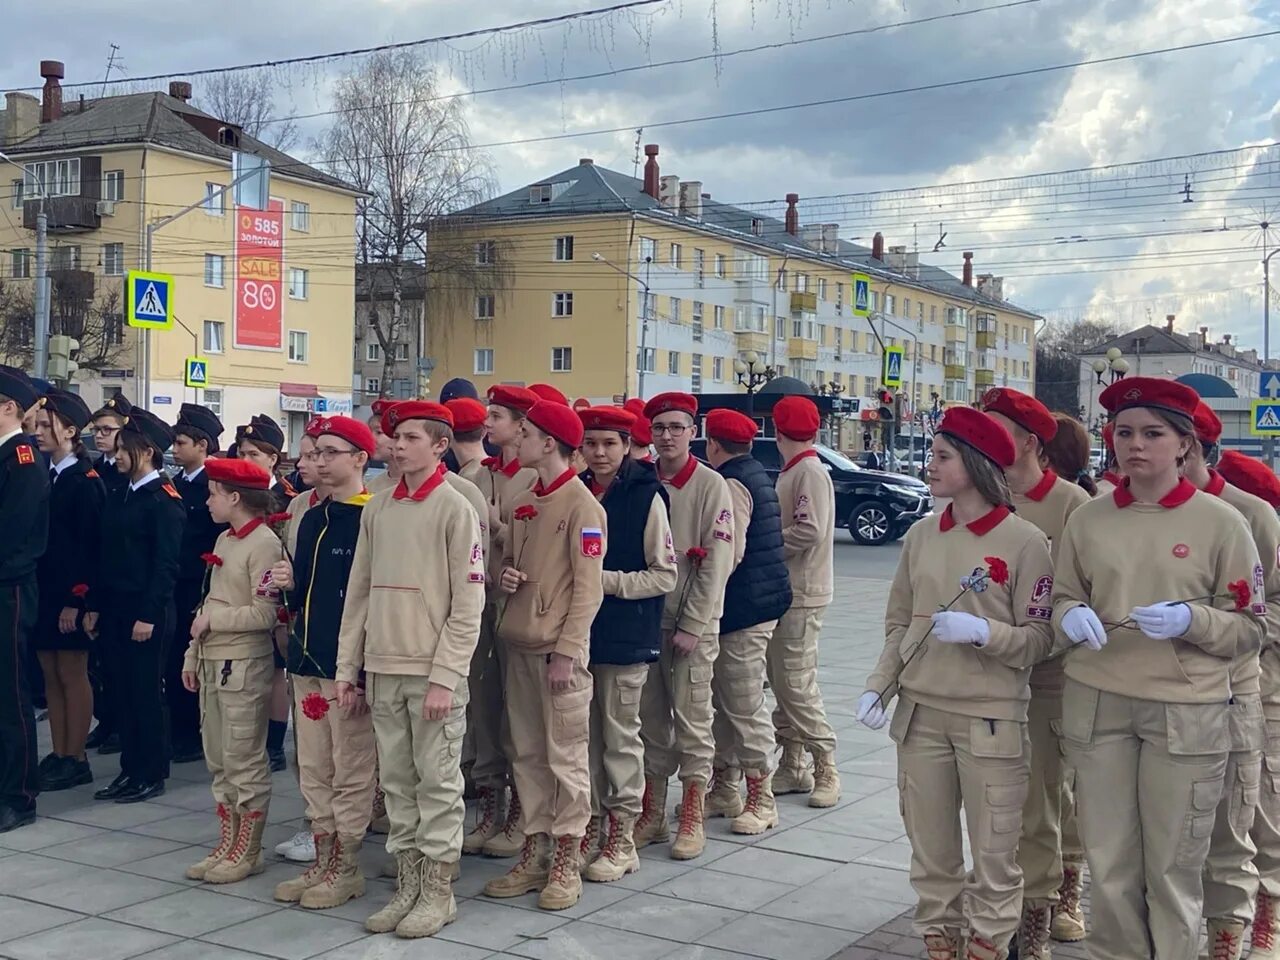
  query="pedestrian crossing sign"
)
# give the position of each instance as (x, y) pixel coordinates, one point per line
(1264, 420)
(893, 367)
(197, 375)
(861, 295)
(150, 300)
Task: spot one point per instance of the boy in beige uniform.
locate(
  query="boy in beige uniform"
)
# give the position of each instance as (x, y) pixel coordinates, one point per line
(229, 663)
(807, 499)
(411, 622)
(552, 572)
(1045, 500)
(675, 707)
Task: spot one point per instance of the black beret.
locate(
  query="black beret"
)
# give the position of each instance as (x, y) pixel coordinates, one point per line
(261, 427)
(200, 421)
(17, 386)
(69, 406)
(118, 405)
(154, 430)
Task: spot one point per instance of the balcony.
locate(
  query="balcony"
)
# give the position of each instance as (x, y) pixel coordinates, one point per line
(745, 340)
(750, 290)
(984, 378)
(955, 333)
(804, 302)
(65, 214)
(955, 371)
(986, 339)
(799, 348)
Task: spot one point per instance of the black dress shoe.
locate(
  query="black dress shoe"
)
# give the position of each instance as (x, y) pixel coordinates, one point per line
(187, 754)
(11, 819)
(49, 760)
(110, 745)
(71, 773)
(140, 790)
(96, 737)
(276, 760)
(117, 786)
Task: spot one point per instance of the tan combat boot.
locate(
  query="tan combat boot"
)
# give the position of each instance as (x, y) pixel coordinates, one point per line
(291, 891)
(690, 838)
(245, 857)
(508, 841)
(942, 946)
(343, 881)
(1264, 934)
(979, 949)
(724, 795)
(826, 781)
(1226, 940)
(379, 822)
(487, 813)
(792, 775)
(408, 887)
(760, 813)
(618, 855)
(530, 873)
(652, 825)
(564, 882)
(435, 907)
(1067, 925)
(591, 841)
(229, 825)
(1033, 930)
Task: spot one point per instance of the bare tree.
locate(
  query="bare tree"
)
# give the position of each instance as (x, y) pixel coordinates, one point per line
(245, 100)
(96, 322)
(1058, 351)
(395, 138)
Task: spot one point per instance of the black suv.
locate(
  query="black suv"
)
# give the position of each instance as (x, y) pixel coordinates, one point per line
(876, 507)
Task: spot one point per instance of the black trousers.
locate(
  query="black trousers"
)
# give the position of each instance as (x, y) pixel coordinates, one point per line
(135, 672)
(184, 707)
(18, 761)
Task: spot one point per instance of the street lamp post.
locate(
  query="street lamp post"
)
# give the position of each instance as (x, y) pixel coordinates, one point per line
(40, 358)
(1269, 444)
(1115, 363)
(751, 378)
(644, 318)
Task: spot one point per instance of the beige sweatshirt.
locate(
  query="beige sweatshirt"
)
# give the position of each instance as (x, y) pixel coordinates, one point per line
(701, 516)
(939, 557)
(382, 483)
(1117, 554)
(241, 601)
(478, 504)
(742, 505)
(808, 501)
(416, 588)
(659, 577)
(500, 486)
(298, 506)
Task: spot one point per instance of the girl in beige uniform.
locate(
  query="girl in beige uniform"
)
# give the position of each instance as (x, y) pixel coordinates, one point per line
(1158, 588)
(968, 615)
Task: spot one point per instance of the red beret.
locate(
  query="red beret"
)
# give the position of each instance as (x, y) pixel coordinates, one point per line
(379, 406)
(581, 403)
(1208, 426)
(666, 402)
(398, 413)
(517, 398)
(312, 429)
(796, 418)
(607, 418)
(468, 414)
(1109, 436)
(981, 432)
(731, 425)
(1168, 395)
(545, 391)
(1024, 410)
(355, 432)
(556, 420)
(642, 429)
(237, 473)
(1250, 475)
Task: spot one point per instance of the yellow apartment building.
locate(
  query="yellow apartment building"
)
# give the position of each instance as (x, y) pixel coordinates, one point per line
(275, 328)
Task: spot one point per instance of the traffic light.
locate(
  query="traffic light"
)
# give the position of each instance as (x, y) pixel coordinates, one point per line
(61, 365)
(887, 405)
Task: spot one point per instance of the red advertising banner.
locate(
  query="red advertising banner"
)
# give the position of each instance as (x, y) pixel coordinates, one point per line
(259, 268)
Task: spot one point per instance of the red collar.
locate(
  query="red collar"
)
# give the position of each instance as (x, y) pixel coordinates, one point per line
(313, 499)
(647, 458)
(540, 491)
(1041, 489)
(980, 527)
(1113, 478)
(681, 478)
(247, 529)
(433, 481)
(597, 491)
(495, 464)
(798, 457)
(1176, 497)
(1216, 483)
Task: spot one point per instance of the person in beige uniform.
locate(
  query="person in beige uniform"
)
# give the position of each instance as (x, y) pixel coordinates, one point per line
(229, 663)
(967, 617)
(1158, 589)
(1230, 875)
(1041, 497)
(675, 707)
(641, 431)
(384, 450)
(807, 499)
(552, 572)
(411, 622)
(468, 437)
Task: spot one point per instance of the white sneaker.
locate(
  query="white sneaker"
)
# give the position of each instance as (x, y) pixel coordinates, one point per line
(300, 848)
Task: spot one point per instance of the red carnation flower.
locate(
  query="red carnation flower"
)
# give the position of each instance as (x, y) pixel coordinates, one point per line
(997, 570)
(697, 555)
(211, 559)
(315, 706)
(527, 512)
(80, 590)
(282, 615)
(1242, 593)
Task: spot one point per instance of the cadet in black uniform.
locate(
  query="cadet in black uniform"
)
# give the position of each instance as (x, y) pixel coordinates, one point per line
(195, 439)
(64, 574)
(24, 518)
(131, 603)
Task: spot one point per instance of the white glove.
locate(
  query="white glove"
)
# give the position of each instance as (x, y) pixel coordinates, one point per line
(953, 626)
(871, 710)
(1162, 621)
(1081, 625)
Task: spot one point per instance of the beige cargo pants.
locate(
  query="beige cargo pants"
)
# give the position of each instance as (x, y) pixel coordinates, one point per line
(1266, 823)
(337, 762)
(549, 733)
(420, 763)
(1148, 779)
(234, 699)
(742, 727)
(488, 741)
(1040, 848)
(799, 715)
(1230, 875)
(947, 762)
(675, 711)
(617, 753)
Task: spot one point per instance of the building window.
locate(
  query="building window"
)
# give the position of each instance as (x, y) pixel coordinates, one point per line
(402, 352)
(20, 264)
(214, 333)
(298, 346)
(780, 328)
(695, 375)
(677, 307)
(933, 313)
(562, 305)
(757, 227)
(647, 360)
(372, 386)
(65, 258)
(720, 265)
(540, 193)
(802, 283)
(215, 200)
(113, 185)
(906, 307)
(564, 248)
(719, 317)
(697, 321)
(889, 304)
(113, 259)
(699, 266)
(822, 288)
(16, 192)
(677, 255)
(484, 360)
(648, 250)
(300, 216)
(717, 369)
(212, 399)
(486, 253)
(297, 284)
(561, 359)
(484, 307)
(213, 270)
(373, 352)
(673, 363)
(113, 325)
(52, 178)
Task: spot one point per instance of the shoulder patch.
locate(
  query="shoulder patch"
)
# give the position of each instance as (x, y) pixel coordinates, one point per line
(592, 542)
(26, 456)
(169, 489)
(92, 474)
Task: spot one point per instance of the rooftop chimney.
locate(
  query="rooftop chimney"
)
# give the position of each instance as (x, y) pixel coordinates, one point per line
(180, 90)
(793, 215)
(585, 162)
(651, 170)
(1168, 322)
(21, 118)
(968, 268)
(51, 105)
(691, 199)
(1226, 339)
(877, 246)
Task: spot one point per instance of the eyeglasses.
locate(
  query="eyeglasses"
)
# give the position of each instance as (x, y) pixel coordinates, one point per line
(327, 454)
(670, 429)
(105, 431)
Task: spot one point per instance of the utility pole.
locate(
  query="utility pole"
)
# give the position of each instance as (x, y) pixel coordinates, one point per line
(644, 315)
(1269, 444)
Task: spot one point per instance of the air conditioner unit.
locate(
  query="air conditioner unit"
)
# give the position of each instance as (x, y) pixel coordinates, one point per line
(106, 208)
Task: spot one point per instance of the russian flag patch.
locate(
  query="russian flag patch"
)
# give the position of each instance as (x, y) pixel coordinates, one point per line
(592, 542)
